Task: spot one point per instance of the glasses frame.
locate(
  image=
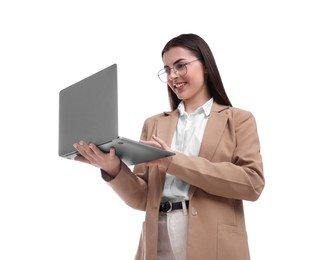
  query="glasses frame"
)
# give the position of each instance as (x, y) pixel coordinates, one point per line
(164, 70)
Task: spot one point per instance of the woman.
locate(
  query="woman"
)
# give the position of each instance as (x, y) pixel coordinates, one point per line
(193, 200)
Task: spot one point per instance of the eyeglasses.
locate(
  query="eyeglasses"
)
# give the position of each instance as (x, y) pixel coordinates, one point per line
(180, 69)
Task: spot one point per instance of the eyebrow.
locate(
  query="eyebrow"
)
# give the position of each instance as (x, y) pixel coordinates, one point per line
(177, 61)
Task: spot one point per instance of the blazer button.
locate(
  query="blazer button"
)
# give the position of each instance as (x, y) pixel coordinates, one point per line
(194, 212)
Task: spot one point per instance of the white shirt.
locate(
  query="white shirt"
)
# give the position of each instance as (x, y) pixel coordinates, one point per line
(186, 139)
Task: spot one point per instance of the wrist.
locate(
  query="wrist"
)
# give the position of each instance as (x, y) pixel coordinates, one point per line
(110, 174)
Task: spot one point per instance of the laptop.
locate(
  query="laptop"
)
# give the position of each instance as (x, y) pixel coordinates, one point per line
(88, 110)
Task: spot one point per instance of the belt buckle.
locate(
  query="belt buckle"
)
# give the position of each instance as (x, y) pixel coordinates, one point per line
(166, 206)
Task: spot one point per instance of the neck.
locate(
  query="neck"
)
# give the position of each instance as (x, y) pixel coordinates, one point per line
(190, 105)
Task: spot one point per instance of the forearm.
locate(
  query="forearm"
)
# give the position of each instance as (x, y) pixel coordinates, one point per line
(223, 179)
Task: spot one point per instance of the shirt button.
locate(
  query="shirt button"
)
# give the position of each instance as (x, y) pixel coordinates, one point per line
(194, 212)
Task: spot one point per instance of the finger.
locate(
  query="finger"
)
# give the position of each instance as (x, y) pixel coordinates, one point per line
(84, 150)
(78, 148)
(151, 143)
(80, 158)
(81, 149)
(96, 150)
(161, 142)
(112, 153)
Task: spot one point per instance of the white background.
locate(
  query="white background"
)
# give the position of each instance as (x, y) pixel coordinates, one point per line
(268, 56)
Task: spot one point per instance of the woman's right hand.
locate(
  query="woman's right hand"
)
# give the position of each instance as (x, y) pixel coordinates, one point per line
(91, 154)
(161, 144)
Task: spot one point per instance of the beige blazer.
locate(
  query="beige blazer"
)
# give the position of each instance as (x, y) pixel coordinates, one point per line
(228, 170)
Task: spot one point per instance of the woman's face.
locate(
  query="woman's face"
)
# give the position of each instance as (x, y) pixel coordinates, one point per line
(190, 87)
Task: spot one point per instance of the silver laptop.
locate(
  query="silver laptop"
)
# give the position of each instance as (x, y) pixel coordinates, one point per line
(88, 110)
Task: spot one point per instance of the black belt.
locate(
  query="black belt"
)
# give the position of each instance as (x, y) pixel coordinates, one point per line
(169, 206)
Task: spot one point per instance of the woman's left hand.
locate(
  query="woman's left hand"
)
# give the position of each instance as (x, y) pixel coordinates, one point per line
(159, 143)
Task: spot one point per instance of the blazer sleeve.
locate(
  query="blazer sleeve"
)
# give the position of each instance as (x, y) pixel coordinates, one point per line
(240, 177)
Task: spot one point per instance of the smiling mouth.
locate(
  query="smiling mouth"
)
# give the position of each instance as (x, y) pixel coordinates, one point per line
(179, 85)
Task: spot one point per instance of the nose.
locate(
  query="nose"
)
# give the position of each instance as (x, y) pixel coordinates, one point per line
(172, 72)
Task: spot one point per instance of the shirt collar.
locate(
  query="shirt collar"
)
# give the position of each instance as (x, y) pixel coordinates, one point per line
(205, 108)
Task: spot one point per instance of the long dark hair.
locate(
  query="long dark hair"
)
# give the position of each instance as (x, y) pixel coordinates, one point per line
(202, 51)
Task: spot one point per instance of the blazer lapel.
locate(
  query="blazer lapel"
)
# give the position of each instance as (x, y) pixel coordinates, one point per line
(213, 132)
(216, 124)
(165, 129)
(166, 126)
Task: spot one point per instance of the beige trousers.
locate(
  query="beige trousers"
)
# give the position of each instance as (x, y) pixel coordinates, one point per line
(172, 239)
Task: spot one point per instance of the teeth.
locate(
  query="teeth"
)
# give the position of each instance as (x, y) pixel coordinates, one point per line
(179, 85)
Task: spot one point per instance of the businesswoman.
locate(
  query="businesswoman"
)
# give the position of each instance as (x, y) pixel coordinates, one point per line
(194, 199)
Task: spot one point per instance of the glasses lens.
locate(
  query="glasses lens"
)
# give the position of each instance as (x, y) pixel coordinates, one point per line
(163, 75)
(181, 69)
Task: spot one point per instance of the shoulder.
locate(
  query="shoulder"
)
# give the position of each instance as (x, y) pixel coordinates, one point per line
(240, 113)
(160, 116)
(234, 114)
(157, 116)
